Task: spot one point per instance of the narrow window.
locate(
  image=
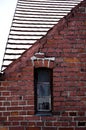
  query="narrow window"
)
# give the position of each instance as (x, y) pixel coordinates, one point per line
(43, 86)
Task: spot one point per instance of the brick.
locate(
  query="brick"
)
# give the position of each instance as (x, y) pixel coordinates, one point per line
(14, 113)
(51, 49)
(39, 55)
(4, 128)
(33, 128)
(15, 123)
(65, 119)
(28, 108)
(57, 123)
(72, 113)
(81, 123)
(71, 60)
(1, 104)
(80, 118)
(6, 113)
(13, 118)
(32, 124)
(38, 63)
(14, 103)
(66, 128)
(30, 113)
(57, 103)
(67, 43)
(24, 123)
(5, 83)
(45, 63)
(81, 113)
(51, 64)
(72, 123)
(2, 108)
(14, 108)
(1, 114)
(47, 118)
(49, 123)
(22, 103)
(49, 128)
(64, 124)
(16, 128)
(22, 113)
(2, 88)
(7, 123)
(32, 118)
(6, 93)
(81, 128)
(6, 103)
(49, 41)
(56, 94)
(40, 124)
(82, 9)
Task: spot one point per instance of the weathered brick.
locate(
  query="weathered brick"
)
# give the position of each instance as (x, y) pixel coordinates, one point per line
(72, 113)
(67, 43)
(4, 128)
(5, 83)
(14, 113)
(71, 60)
(37, 63)
(83, 123)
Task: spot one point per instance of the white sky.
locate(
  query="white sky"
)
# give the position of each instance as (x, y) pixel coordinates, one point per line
(7, 9)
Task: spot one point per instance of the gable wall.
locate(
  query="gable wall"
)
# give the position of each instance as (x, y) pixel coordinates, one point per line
(66, 42)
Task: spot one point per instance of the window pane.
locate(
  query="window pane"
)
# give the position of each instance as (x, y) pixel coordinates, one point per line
(44, 103)
(43, 89)
(43, 96)
(44, 76)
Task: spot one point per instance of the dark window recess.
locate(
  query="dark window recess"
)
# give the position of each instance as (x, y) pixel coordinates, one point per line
(43, 89)
(81, 123)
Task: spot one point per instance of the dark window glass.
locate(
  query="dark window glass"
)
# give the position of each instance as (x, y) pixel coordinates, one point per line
(43, 89)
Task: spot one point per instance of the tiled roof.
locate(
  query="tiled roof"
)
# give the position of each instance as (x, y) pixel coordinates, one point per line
(32, 19)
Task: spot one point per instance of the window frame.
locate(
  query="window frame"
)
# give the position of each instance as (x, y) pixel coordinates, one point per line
(44, 112)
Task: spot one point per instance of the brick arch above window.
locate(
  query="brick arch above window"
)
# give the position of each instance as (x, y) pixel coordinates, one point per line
(39, 60)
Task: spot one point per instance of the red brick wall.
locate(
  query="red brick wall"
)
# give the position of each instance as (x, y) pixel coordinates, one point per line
(67, 43)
